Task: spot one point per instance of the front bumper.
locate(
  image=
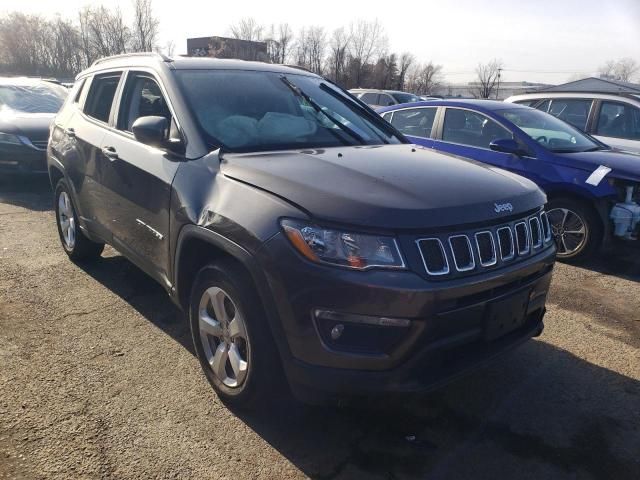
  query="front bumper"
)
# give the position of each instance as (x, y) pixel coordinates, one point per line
(22, 159)
(448, 321)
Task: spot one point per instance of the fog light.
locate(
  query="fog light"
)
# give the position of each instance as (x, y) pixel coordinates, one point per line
(360, 333)
(336, 332)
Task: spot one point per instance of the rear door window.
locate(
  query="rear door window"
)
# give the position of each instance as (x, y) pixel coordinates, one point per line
(100, 98)
(618, 120)
(466, 127)
(386, 100)
(574, 111)
(370, 98)
(416, 122)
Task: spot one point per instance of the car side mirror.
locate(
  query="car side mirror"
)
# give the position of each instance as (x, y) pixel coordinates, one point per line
(151, 130)
(506, 145)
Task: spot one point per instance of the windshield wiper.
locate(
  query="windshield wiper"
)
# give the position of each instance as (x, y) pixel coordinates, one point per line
(298, 91)
(374, 117)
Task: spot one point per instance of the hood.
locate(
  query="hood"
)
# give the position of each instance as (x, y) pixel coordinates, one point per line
(388, 186)
(34, 126)
(623, 165)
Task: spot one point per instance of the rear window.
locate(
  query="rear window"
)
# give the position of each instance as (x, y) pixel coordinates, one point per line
(100, 98)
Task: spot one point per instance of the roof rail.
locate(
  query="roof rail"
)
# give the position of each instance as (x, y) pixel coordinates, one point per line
(162, 56)
(298, 67)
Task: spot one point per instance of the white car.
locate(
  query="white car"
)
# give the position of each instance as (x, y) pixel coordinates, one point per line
(612, 119)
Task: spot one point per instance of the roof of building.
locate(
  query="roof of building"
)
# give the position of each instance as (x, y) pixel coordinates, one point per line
(595, 85)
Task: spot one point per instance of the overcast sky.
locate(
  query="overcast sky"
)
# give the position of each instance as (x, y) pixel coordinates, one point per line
(537, 40)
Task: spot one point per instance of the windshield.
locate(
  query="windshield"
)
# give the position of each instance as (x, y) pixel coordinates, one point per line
(549, 131)
(405, 97)
(41, 97)
(246, 111)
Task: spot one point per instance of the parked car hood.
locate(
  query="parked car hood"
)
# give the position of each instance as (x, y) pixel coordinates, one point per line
(392, 186)
(623, 164)
(34, 126)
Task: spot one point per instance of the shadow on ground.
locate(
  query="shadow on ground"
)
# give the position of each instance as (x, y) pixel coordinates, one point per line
(30, 192)
(538, 412)
(538, 405)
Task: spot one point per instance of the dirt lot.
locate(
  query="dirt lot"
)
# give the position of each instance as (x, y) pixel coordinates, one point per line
(98, 380)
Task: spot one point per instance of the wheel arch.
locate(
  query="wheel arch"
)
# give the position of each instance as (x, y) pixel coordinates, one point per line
(197, 247)
(597, 204)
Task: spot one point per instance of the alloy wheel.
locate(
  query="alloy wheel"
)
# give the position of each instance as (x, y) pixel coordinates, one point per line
(67, 220)
(224, 337)
(569, 230)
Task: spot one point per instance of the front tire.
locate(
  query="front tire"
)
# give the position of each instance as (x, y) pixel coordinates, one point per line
(76, 245)
(231, 336)
(576, 228)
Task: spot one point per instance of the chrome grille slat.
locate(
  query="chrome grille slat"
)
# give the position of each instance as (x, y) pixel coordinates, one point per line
(536, 232)
(546, 227)
(427, 261)
(486, 248)
(523, 231)
(493, 258)
(456, 253)
(512, 249)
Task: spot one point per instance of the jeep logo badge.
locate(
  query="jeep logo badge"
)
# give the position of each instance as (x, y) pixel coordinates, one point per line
(503, 207)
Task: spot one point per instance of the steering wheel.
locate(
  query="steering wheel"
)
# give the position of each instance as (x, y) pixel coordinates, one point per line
(542, 138)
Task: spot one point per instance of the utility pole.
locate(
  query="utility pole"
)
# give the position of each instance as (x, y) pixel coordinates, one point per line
(498, 89)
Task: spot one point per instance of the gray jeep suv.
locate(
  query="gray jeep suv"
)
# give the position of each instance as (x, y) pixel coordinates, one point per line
(305, 237)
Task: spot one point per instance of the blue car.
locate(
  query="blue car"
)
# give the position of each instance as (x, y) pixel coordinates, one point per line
(593, 191)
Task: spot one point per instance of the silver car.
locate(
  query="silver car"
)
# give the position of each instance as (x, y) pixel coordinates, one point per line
(613, 119)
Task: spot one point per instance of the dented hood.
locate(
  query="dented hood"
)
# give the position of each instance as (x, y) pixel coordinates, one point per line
(390, 186)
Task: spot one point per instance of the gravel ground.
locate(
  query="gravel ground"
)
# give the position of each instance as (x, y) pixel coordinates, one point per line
(98, 380)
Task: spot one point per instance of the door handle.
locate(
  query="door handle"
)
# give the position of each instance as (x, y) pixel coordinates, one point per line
(110, 153)
(70, 132)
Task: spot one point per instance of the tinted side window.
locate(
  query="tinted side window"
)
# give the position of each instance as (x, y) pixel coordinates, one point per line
(619, 120)
(79, 89)
(470, 128)
(142, 98)
(526, 103)
(100, 98)
(370, 98)
(574, 111)
(386, 100)
(416, 122)
(544, 106)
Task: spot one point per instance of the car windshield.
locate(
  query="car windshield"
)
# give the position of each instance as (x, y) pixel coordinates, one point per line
(41, 97)
(246, 111)
(405, 97)
(550, 132)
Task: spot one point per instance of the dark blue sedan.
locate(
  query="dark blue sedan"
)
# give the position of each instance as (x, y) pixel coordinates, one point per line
(593, 190)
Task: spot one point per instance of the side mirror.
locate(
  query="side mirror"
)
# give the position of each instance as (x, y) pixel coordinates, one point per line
(151, 130)
(506, 145)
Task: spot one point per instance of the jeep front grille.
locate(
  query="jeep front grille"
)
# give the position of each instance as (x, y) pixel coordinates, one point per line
(466, 252)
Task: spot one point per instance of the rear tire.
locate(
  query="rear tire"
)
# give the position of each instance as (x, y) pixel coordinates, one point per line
(76, 245)
(232, 338)
(576, 228)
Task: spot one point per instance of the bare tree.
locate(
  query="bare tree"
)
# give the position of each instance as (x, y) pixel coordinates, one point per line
(488, 75)
(425, 79)
(247, 29)
(103, 32)
(406, 60)
(386, 72)
(310, 48)
(368, 42)
(279, 43)
(338, 50)
(145, 27)
(623, 70)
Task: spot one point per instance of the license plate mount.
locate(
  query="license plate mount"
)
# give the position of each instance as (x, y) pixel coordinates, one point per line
(506, 315)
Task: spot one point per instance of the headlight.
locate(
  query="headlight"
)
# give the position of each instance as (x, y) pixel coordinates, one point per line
(10, 139)
(346, 249)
